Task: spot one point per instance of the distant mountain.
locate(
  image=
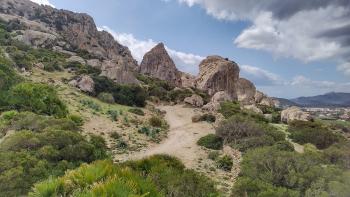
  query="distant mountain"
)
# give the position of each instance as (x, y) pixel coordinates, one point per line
(332, 99)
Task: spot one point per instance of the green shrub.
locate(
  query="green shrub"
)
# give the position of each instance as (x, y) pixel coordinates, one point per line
(8, 115)
(228, 109)
(91, 104)
(225, 163)
(38, 98)
(106, 97)
(155, 121)
(137, 111)
(339, 154)
(101, 178)
(113, 114)
(211, 141)
(314, 133)
(284, 146)
(208, 118)
(78, 120)
(48, 147)
(172, 179)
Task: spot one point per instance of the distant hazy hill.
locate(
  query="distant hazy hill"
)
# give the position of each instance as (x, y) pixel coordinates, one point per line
(332, 99)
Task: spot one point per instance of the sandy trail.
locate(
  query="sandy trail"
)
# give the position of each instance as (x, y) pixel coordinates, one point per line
(182, 137)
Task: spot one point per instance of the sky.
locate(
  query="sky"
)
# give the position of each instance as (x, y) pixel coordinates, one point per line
(288, 48)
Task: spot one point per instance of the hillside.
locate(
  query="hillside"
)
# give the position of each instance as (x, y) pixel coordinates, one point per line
(80, 117)
(332, 99)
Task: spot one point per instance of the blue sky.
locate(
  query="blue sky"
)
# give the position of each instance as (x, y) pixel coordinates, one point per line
(285, 52)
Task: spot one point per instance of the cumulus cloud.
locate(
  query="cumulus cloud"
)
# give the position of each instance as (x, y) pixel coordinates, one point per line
(186, 62)
(309, 30)
(43, 2)
(260, 76)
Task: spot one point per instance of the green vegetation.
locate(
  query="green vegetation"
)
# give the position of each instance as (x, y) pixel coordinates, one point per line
(225, 163)
(313, 132)
(38, 98)
(205, 117)
(211, 141)
(106, 97)
(270, 172)
(172, 179)
(229, 109)
(41, 146)
(156, 121)
(137, 111)
(101, 178)
(244, 133)
(132, 95)
(91, 104)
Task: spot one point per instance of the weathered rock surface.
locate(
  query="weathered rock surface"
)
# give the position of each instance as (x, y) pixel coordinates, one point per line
(76, 59)
(253, 108)
(84, 83)
(218, 74)
(66, 30)
(246, 91)
(195, 100)
(262, 99)
(294, 113)
(187, 80)
(118, 71)
(158, 64)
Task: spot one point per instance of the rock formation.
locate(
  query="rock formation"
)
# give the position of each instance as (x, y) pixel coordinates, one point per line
(84, 83)
(194, 100)
(294, 113)
(62, 30)
(218, 74)
(245, 92)
(187, 80)
(158, 64)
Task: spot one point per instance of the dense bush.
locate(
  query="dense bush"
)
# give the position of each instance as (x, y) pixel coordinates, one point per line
(137, 111)
(228, 109)
(106, 97)
(132, 95)
(225, 163)
(243, 133)
(271, 172)
(40, 147)
(313, 132)
(211, 141)
(339, 154)
(38, 98)
(155, 121)
(172, 179)
(101, 178)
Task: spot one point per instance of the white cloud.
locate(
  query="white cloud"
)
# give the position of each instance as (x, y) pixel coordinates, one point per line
(186, 62)
(43, 2)
(309, 30)
(260, 76)
(344, 68)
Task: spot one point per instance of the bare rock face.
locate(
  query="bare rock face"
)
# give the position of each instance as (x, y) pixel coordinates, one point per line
(76, 59)
(262, 99)
(187, 80)
(158, 64)
(118, 71)
(195, 100)
(218, 74)
(246, 91)
(67, 31)
(84, 83)
(294, 113)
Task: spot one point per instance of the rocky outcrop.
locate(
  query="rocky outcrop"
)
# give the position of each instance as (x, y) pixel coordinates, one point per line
(294, 113)
(245, 92)
(67, 31)
(218, 74)
(187, 80)
(78, 59)
(253, 108)
(262, 99)
(195, 100)
(118, 71)
(85, 83)
(215, 101)
(158, 64)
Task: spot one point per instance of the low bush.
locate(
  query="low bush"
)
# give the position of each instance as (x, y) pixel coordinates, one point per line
(228, 109)
(91, 104)
(225, 163)
(40, 147)
(156, 121)
(113, 114)
(137, 111)
(78, 120)
(314, 133)
(211, 141)
(38, 98)
(115, 135)
(284, 146)
(213, 155)
(106, 97)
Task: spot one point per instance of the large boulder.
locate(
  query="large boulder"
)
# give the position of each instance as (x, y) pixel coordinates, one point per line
(262, 99)
(246, 91)
(36, 38)
(194, 100)
(158, 64)
(118, 71)
(85, 83)
(76, 59)
(218, 74)
(216, 99)
(294, 113)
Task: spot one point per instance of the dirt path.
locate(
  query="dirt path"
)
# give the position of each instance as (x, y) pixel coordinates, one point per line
(182, 137)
